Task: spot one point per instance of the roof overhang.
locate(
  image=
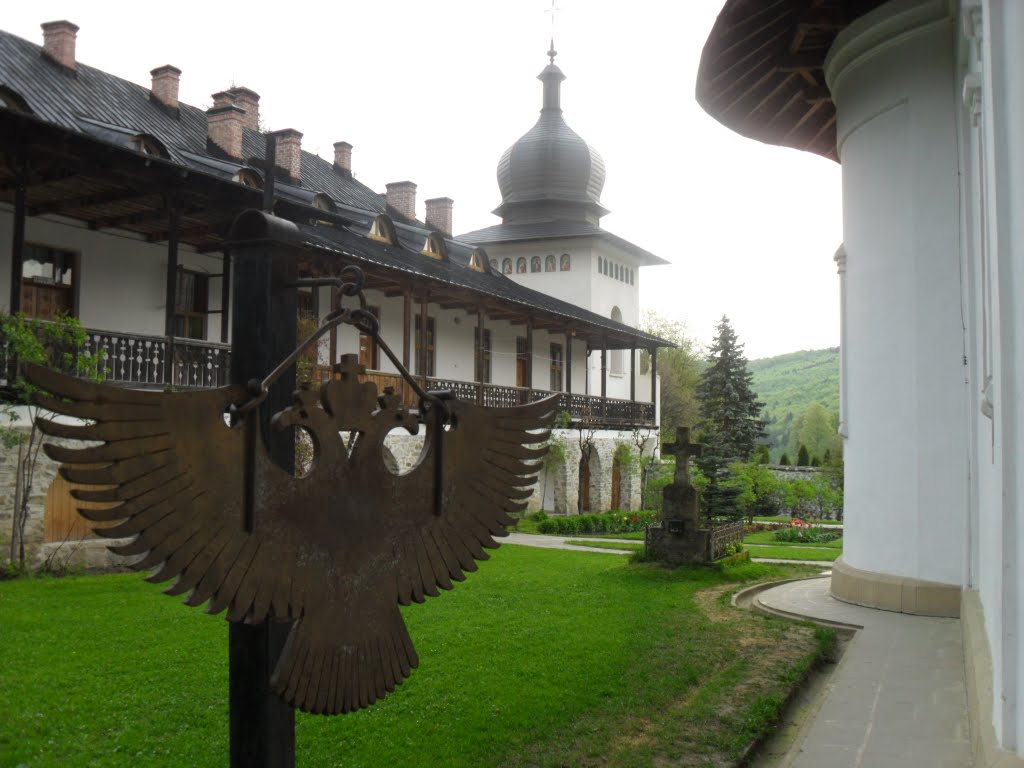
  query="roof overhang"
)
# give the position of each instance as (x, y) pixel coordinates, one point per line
(762, 70)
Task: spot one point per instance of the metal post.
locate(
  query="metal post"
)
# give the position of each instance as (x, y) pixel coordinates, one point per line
(18, 244)
(262, 725)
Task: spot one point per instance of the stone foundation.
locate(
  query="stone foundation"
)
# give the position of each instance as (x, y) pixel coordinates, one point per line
(901, 594)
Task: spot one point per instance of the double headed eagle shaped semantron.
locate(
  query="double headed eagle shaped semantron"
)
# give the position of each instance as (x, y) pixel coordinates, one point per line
(335, 551)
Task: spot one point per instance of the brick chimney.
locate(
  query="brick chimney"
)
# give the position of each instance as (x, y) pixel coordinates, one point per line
(59, 42)
(343, 158)
(439, 214)
(222, 99)
(289, 152)
(165, 85)
(248, 100)
(401, 195)
(224, 125)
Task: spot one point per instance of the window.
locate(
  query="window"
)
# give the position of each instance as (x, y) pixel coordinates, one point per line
(522, 362)
(566, 262)
(427, 347)
(506, 266)
(556, 367)
(369, 354)
(147, 145)
(434, 247)
(383, 231)
(521, 265)
(600, 265)
(535, 264)
(494, 264)
(47, 282)
(482, 356)
(190, 305)
(11, 100)
(549, 263)
(477, 262)
(616, 271)
(248, 178)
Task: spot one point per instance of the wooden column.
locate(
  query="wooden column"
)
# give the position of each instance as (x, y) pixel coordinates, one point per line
(480, 355)
(406, 335)
(632, 374)
(654, 378)
(604, 368)
(171, 292)
(422, 356)
(568, 361)
(225, 299)
(529, 353)
(18, 244)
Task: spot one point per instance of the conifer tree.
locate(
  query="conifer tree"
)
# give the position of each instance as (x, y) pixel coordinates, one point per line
(802, 459)
(731, 422)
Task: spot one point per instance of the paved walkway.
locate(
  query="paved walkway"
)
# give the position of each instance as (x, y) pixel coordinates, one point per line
(898, 696)
(559, 542)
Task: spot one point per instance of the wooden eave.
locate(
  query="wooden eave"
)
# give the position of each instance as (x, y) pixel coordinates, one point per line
(761, 71)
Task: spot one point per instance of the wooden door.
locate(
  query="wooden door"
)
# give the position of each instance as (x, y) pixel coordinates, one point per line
(61, 521)
(584, 494)
(45, 302)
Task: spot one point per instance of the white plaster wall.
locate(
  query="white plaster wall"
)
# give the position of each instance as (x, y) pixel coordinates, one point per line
(572, 286)
(121, 278)
(905, 463)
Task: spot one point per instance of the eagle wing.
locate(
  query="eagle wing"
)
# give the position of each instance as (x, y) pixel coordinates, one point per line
(490, 460)
(172, 468)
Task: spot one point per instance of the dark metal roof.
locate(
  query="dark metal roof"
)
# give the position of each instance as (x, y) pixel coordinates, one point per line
(491, 284)
(547, 230)
(761, 71)
(91, 101)
(550, 168)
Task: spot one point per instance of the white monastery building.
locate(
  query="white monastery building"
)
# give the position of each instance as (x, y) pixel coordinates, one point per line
(922, 103)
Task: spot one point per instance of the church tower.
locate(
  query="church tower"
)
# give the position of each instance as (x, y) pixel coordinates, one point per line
(550, 238)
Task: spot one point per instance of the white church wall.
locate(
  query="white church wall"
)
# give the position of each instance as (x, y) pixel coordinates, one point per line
(906, 484)
(573, 286)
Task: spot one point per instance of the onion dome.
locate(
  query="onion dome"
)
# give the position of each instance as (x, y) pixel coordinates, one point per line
(550, 173)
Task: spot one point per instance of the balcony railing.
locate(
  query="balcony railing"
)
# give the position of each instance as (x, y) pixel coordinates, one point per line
(584, 409)
(159, 362)
(150, 362)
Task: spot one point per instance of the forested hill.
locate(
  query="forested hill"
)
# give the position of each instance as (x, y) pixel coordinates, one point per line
(789, 385)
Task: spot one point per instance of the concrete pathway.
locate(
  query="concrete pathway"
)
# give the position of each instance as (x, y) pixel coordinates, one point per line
(898, 696)
(560, 542)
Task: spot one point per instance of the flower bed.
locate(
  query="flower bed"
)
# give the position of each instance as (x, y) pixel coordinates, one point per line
(800, 532)
(612, 522)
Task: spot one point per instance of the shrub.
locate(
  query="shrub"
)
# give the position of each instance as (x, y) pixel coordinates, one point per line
(804, 534)
(538, 516)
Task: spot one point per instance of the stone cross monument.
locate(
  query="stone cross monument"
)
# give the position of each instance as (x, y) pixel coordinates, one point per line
(680, 539)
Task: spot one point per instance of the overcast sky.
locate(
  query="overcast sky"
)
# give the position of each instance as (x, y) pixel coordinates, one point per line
(434, 92)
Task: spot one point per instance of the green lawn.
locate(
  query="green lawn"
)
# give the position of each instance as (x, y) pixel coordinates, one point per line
(606, 544)
(545, 658)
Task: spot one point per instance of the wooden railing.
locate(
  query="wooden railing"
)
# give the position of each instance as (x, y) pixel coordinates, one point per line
(583, 409)
(156, 362)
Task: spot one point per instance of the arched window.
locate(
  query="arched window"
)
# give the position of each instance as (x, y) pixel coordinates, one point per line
(535, 264)
(147, 145)
(600, 265)
(566, 263)
(477, 261)
(383, 231)
(521, 265)
(616, 361)
(248, 178)
(616, 271)
(494, 264)
(549, 263)
(506, 266)
(434, 247)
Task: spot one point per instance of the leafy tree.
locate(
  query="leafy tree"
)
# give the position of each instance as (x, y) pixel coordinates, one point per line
(679, 369)
(760, 490)
(802, 459)
(815, 427)
(731, 423)
(762, 455)
(60, 344)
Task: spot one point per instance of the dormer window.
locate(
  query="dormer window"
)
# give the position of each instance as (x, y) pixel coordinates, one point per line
(434, 247)
(478, 261)
(324, 203)
(248, 178)
(147, 145)
(11, 100)
(383, 231)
